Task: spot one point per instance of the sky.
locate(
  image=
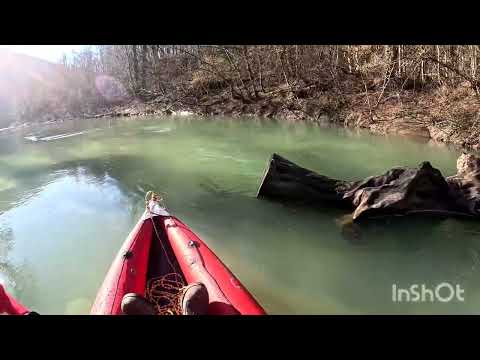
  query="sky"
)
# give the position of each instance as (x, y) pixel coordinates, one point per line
(51, 53)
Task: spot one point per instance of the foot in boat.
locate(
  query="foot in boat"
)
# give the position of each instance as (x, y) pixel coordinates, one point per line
(194, 299)
(134, 304)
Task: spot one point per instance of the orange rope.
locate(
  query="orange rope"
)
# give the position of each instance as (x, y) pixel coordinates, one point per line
(165, 293)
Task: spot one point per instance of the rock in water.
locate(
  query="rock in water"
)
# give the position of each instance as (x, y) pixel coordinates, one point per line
(400, 190)
(466, 184)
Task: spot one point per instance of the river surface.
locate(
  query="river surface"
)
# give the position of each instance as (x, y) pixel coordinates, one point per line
(71, 192)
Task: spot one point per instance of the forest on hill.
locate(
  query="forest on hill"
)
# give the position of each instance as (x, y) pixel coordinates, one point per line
(425, 90)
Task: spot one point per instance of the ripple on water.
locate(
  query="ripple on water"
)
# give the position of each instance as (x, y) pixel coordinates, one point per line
(162, 130)
(35, 138)
(157, 129)
(6, 184)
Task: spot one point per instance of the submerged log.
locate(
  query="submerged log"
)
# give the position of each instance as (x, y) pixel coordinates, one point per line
(399, 191)
(284, 180)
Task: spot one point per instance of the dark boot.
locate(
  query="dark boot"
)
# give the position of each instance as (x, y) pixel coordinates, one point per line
(194, 299)
(134, 304)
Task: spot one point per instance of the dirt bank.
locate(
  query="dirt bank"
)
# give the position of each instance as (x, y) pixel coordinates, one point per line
(440, 116)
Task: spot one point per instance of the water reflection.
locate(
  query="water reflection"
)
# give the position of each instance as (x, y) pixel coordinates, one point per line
(16, 277)
(72, 224)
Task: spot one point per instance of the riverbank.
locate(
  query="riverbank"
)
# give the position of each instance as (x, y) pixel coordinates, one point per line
(442, 115)
(428, 92)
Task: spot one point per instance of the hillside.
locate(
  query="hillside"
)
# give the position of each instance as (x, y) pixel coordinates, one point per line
(427, 91)
(35, 90)
(22, 75)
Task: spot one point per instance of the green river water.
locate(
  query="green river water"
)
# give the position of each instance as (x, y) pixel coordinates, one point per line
(67, 204)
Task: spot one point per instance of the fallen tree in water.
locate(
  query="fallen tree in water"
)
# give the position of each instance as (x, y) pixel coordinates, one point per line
(399, 191)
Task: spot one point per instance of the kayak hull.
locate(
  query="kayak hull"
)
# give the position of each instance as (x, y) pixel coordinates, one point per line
(9, 305)
(198, 263)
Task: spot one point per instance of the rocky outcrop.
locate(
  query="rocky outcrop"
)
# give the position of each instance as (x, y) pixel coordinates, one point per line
(465, 185)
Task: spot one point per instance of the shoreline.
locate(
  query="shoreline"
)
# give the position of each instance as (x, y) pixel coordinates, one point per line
(416, 125)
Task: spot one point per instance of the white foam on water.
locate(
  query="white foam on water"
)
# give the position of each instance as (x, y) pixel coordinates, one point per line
(234, 158)
(162, 130)
(57, 137)
(61, 136)
(7, 128)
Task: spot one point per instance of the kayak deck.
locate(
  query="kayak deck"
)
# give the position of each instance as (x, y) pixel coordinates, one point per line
(160, 245)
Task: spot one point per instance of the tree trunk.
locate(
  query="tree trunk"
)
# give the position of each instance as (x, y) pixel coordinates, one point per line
(235, 68)
(144, 66)
(249, 70)
(438, 63)
(422, 77)
(135, 67)
(155, 67)
(284, 180)
(260, 72)
(399, 55)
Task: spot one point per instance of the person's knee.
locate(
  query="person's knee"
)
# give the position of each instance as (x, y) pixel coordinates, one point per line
(134, 304)
(195, 299)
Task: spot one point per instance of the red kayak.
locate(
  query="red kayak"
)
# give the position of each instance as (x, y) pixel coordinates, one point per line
(161, 245)
(10, 306)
